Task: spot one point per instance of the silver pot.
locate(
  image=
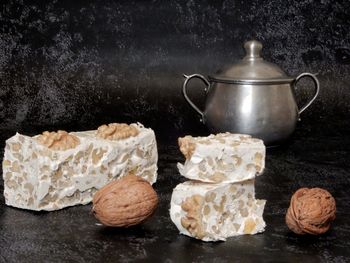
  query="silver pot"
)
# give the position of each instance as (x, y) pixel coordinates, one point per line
(252, 97)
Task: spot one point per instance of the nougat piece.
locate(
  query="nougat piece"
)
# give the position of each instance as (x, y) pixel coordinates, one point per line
(59, 169)
(212, 212)
(223, 157)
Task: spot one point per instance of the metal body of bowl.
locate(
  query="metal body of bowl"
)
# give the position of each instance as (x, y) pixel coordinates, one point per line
(262, 107)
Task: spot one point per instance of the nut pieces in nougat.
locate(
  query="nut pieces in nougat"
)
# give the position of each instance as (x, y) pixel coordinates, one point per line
(219, 200)
(54, 170)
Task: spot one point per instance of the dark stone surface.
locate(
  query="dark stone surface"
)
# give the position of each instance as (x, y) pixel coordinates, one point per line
(317, 156)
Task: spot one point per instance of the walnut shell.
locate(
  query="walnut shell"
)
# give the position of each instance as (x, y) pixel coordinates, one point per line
(311, 211)
(125, 202)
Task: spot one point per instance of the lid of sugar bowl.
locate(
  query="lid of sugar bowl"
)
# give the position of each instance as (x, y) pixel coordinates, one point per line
(252, 69)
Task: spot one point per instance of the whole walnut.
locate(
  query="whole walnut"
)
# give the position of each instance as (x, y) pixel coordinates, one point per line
(125, 202)
(311, 211)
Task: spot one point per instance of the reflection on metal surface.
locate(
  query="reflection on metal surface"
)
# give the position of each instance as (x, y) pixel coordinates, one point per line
(247, 102)
(253, 97)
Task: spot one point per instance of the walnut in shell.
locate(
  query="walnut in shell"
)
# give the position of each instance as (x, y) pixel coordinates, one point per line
(311, 211)
(125, 202)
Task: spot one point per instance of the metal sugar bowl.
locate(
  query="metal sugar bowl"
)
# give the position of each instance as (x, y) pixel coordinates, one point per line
(252, 97)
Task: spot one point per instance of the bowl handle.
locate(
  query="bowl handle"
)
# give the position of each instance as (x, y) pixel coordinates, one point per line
(184, 91)
(317, 88)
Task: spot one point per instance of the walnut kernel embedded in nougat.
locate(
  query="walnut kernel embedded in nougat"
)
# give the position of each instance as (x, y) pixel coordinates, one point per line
(212, 212)
(192, 221)
(223, 157)
(39, 178)
(60, 140)
(116, 131)
(187, 146)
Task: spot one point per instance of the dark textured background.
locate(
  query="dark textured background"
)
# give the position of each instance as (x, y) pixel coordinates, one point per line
(78, 64)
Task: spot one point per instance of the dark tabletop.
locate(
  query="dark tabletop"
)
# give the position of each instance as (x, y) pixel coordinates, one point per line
(317, 156)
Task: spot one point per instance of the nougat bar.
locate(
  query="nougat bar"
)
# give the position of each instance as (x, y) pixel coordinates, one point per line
(59, 169)
(212, 212)
(223, 157)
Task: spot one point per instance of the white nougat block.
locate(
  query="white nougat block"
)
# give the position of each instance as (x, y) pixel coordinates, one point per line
(224, 157)
(212, 212)
(39, 178)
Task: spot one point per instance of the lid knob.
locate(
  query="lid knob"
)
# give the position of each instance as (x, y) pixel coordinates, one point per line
(252, 50)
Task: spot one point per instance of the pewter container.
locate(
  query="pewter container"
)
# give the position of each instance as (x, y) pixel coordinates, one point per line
(252, 97)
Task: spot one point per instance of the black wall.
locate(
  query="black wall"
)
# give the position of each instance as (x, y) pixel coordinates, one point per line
(78, 64)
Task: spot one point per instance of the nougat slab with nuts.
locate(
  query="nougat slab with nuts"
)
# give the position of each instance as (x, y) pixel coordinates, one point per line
(59, 169)
(223, 157)
(212, 212)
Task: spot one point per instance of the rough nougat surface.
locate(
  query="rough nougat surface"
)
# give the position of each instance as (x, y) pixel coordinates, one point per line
(56, 170)
(212, 212)
(223, 157)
